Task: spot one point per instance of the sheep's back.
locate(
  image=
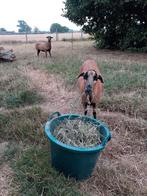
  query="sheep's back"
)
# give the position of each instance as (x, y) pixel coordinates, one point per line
(89, 65)
(42, 46)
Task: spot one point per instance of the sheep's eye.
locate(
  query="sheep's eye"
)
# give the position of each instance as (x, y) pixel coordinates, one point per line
(95, 77)
(85, 76)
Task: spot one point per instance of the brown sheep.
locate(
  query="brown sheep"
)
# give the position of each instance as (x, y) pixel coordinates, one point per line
(90, 83)
(44, 46)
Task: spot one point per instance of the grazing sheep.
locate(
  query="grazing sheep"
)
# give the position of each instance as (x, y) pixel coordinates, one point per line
(90, 83)
(44, 46)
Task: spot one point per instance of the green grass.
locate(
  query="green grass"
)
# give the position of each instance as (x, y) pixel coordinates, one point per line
(123, 78)
(118, 77)
(35, 176)
(15, 88)
(12, 150)
(26, 126)
(22, 98)
(134, 105)
(33, 173)
(68, 68)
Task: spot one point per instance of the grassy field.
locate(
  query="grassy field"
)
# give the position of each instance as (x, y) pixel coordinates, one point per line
(32, 88)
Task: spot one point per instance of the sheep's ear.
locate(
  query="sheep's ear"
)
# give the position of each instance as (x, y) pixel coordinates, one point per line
(82, 74)
(99, 77)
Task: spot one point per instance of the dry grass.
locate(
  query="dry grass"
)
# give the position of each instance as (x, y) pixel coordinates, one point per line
(6, 176)
(121, 169)
(78, 133)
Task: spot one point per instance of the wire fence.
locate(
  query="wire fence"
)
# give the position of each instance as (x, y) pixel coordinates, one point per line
(70, 36)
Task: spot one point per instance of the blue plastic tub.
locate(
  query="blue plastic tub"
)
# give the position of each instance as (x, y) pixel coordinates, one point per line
(74, 161)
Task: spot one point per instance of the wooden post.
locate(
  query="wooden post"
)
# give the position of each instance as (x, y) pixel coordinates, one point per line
(81, 35)
(72, 39)
(26, 35)
(56, 35)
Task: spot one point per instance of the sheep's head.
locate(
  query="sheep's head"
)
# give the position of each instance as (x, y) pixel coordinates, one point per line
(49, 38)
(90, 78)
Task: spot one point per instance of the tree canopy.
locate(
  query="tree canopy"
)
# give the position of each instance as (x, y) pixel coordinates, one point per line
(118, 24)
(23, 27)
(36, 30)
(55, 27)
(3, 30)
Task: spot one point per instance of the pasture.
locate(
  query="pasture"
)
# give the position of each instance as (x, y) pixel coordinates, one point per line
(32, 88)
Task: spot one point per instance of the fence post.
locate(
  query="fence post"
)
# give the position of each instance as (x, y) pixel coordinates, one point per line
(56, 35)
(26, 35)
(72, 39)
(81, 35)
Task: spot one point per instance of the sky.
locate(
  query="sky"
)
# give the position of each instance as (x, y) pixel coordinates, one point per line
(36, 13)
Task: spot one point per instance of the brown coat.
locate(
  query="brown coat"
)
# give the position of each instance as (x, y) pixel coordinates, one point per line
(97, 89)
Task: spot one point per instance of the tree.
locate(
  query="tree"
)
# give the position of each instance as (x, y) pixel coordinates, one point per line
(36, 30)
(55, 27)
(23, 27)
(3, 30)
(113, 23)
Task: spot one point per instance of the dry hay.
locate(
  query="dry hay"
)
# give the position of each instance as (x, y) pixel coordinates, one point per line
(78, 133)
(122, 166)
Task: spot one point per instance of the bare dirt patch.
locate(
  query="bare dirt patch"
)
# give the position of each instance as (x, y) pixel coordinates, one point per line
(6, 173)
(52, 88)
(6, 176)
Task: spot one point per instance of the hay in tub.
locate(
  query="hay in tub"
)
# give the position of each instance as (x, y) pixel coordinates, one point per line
(78, 133)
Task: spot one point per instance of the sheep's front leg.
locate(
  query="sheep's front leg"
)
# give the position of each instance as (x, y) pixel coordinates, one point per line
(50, 53)
(85, 108)
(94, 110)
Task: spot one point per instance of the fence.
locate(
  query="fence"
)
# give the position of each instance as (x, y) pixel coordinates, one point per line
(71, 36)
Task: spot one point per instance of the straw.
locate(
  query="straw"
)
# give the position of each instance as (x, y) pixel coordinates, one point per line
(77, 133)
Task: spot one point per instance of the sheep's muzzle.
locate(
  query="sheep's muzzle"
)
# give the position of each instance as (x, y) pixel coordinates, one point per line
(88, 89)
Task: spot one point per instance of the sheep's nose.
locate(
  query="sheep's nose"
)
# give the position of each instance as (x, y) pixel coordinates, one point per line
(88, 89)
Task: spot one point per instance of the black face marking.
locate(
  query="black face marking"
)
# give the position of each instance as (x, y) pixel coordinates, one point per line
(85, 76)
(82, 74)
(100, 78)
(95, 77)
